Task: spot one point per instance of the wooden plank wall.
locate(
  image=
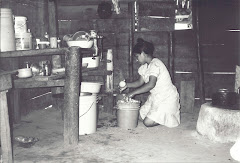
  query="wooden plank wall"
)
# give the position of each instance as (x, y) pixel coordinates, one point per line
(219, 47)
(116, 31)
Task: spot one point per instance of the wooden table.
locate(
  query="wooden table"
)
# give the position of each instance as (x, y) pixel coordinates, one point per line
(71, 84)
(70, 81)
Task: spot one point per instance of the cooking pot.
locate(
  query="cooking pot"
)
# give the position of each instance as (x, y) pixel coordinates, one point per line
(24, 73)
(224, 98)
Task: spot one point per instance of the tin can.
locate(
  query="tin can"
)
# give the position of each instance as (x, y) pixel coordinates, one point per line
(47, 69)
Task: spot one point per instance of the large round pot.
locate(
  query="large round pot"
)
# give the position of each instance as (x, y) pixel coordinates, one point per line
(224, 98)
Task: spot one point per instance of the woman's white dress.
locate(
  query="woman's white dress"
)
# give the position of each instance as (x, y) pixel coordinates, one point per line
(162, 105)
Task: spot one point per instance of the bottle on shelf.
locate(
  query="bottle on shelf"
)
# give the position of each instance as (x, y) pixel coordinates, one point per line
(46, 35)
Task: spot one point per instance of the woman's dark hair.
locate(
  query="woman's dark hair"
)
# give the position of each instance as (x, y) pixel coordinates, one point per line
(143, 46)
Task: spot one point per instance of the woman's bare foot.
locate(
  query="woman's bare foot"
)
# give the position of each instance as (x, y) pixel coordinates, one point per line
(149, 123)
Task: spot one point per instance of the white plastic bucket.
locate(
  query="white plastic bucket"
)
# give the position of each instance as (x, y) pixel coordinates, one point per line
(87, 113)
(127, 115)
(23, 41)
(7, 38)
(20, 25)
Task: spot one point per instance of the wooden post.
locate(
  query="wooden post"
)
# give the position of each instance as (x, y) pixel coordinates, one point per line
(42, 21)
(199, 61)
(53, 32)
(171, 55)
(71, 96)
(52, 13)
(131, 38)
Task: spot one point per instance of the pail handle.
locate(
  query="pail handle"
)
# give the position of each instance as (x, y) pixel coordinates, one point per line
(87, 110)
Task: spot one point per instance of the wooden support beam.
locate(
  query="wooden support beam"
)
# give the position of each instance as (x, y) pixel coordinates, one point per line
(131, 39)
(42, 21)
(53, 31)
(199, 60)
(171, 55)
(52, 14)
(71, 96)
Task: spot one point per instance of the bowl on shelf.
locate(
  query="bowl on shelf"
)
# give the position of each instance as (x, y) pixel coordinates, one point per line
(80, 35)
(24, 73)
(81, 43)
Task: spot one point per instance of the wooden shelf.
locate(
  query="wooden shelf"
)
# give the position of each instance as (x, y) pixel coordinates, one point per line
(96, 2)
(38, 82)
(38, 52)
(28, 53)
(150, 31)
(54, 80)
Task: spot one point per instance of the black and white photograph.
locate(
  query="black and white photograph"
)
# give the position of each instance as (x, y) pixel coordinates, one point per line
(119, 81)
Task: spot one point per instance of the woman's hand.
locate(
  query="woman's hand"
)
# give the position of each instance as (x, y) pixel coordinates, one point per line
(128, 96)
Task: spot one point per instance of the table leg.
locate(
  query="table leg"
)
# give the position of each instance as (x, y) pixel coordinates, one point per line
(6, 144)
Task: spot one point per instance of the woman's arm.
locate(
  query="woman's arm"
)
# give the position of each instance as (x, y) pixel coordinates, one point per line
(136, 83)
(145, 88)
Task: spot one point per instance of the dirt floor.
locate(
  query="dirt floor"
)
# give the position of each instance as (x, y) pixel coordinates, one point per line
(113, 144)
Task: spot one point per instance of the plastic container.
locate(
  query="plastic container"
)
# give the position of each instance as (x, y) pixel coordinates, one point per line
(20, 25)
(127, 115)
(23, 41)
(92, 87)
(122, 84)
(7, 39)
(87, 113)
